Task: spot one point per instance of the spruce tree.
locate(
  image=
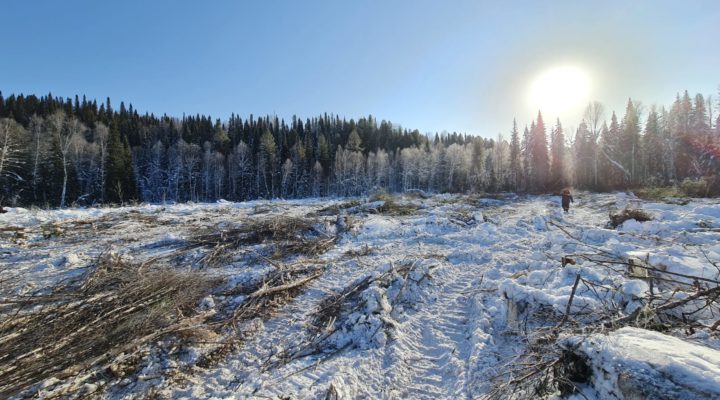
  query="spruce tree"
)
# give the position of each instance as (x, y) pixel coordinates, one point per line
(120, 182)
(539, 150)
(354, 143)
(699, 119)
(653, 146)
(630, 141)
(583, 155)
(515, 162)
(557, 166)
(616, 174)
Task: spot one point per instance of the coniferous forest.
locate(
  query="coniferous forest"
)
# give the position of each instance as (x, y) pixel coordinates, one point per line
(57, 152)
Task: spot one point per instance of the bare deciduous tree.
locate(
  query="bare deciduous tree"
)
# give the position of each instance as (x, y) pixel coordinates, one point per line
(594, 117)
(10, 152)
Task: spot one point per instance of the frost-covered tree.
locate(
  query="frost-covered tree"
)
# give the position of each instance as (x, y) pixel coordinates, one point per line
(266, 164)
(240, 171)
(287, 175)
(11, 155)
(515, 158)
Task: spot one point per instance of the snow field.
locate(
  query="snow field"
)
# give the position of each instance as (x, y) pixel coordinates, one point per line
(449, 289)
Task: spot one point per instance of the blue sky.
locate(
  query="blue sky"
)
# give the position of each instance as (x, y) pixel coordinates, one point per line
(431, 65)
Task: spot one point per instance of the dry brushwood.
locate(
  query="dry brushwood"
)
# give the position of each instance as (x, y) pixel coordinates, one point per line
(335, 209)
(391, 207)
(332, 313)
(265, 297)
(115, 308)
(387, 205)
(546, 365)
(617, 218)
(291, 235)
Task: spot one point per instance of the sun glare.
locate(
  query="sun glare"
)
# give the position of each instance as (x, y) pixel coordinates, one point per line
(560, 90)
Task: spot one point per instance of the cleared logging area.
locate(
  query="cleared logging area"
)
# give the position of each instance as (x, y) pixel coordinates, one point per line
(98, 326)
(85, 324)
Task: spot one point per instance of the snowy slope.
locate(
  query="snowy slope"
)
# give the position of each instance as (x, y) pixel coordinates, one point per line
(452, 286)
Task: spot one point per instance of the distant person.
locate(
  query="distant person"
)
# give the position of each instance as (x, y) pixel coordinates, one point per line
(566, 200)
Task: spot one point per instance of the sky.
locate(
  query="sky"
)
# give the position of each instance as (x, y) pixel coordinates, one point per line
(464, 66)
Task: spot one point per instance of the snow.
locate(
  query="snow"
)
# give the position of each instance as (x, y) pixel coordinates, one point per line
(442, 331)
(661, 360)
(635, 288)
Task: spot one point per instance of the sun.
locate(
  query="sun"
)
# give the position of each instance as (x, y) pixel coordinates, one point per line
(560, 90)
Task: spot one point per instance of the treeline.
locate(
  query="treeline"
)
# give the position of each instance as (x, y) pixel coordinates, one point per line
(60, 152)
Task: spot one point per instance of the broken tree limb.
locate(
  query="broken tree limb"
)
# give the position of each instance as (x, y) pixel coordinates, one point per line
(569, 304)
(270, 290)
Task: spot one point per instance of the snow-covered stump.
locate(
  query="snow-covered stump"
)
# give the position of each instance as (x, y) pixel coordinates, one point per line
(633, 363)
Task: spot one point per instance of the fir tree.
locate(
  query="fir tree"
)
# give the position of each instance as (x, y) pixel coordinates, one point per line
(120, 182)
(539, 154)
(557, 166)
(630, 141)
(515, 162)
(652, 145)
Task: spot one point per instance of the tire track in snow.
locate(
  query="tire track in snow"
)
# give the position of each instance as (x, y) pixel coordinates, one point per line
(434, 342)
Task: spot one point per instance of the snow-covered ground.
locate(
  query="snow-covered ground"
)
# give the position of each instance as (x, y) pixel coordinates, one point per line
(452, 292)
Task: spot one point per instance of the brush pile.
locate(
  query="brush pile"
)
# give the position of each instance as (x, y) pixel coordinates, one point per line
(283, 235)
(361, 315)
(618, 217)
(84, 325)
(558, 346)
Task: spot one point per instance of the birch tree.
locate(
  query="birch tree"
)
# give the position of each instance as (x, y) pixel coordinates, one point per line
(11, 157)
